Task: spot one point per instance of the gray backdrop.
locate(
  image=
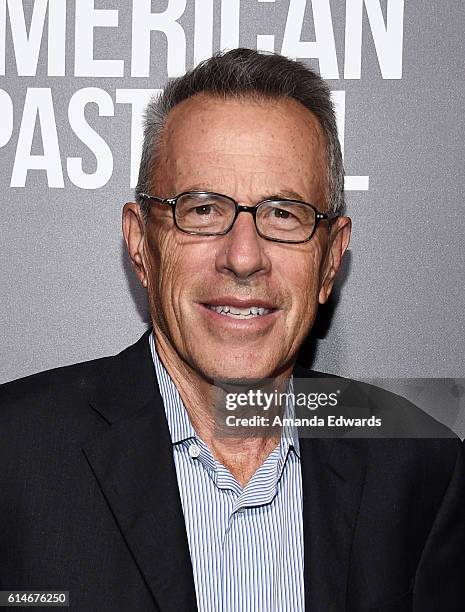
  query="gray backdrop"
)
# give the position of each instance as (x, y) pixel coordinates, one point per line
(67, 290)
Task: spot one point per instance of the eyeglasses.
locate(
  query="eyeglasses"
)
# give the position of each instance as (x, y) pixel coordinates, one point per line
(205, 213)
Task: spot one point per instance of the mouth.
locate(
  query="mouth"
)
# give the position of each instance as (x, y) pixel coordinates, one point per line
(240, 310)
(234, 312)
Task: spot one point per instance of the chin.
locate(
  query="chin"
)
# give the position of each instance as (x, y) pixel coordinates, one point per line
(222, 371)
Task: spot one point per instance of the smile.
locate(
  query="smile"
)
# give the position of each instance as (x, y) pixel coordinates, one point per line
(239, 313)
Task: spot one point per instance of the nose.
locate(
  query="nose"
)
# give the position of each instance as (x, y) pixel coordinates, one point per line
(242, 251)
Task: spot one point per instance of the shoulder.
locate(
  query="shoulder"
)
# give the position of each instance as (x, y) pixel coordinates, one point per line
(409, 441)
(412, 448)
(49, 386)
(76, 401)
(401, 418)
(48, 418)
(70, 396)
(51, 409)
(77, 381)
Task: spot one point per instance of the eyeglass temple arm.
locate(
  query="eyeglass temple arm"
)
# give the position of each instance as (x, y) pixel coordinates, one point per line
(146, 196)
(330, 216)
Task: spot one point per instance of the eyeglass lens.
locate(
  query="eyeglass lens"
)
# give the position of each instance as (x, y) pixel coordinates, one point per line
(214, 214)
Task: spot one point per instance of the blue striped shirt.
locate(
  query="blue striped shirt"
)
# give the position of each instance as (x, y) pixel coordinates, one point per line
(246, 544)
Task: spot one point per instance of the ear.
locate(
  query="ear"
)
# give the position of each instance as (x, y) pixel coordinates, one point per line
(134, 234)
(338, 242)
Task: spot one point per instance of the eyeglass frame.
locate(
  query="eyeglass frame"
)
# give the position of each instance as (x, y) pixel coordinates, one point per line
(238, 209)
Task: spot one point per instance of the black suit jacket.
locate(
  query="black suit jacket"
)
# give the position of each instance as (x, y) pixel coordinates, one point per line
(89, 502)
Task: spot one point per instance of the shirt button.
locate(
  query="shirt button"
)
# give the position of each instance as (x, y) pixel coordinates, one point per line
(194, 451)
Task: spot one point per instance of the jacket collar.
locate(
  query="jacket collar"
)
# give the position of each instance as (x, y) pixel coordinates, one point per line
(133, 464)
(124, 383)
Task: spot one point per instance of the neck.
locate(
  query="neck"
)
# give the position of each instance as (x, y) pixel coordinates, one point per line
(242, 456)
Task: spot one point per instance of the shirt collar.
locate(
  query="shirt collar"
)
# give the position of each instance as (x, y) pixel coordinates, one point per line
(179, 423)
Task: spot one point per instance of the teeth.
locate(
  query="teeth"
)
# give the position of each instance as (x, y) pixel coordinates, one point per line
(240, 313)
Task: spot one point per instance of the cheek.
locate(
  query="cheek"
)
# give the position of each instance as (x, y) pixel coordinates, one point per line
(162, 263)
(302, 283)
(300, 274)
(304, 298)
(175, 266)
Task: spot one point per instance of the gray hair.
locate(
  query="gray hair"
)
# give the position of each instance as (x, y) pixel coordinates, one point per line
(246, 73)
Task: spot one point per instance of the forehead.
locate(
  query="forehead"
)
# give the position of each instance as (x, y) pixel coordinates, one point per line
(243, 144)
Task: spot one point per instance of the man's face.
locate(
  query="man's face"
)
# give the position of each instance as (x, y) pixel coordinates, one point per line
(249, 151)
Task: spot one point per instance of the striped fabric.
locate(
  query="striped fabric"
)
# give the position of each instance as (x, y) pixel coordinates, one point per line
(246, 545)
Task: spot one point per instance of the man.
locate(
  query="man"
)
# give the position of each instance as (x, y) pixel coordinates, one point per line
(116, 483)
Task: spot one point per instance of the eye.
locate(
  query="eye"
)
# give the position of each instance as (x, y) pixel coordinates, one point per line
(281, 214)
(204, 209)
(278, 213)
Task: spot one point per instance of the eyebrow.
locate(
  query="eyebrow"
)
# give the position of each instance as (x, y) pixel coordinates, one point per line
(282, 194)
(286, 195)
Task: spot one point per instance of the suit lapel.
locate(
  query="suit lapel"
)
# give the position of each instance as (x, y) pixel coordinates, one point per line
(332, 481)
(133, 463)
(333, 475)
